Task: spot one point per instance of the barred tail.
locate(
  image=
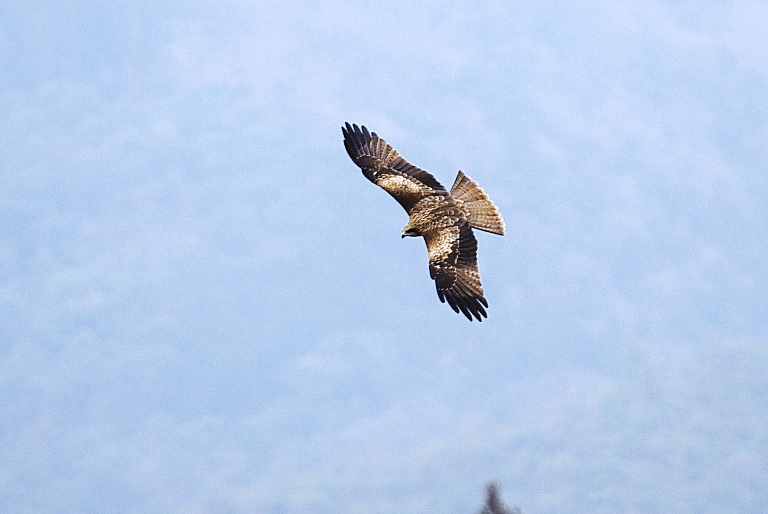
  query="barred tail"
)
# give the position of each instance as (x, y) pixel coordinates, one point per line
(483, 214)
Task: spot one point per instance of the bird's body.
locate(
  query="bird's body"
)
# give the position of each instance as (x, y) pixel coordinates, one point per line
(443, 218)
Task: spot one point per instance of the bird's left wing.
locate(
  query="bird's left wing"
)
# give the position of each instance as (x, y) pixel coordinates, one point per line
(453, 267)
(383, 166)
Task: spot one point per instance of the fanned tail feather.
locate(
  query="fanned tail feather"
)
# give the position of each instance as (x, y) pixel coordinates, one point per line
(483, 214)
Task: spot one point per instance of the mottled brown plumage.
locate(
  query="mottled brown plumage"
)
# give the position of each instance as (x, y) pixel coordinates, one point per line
(444, 218)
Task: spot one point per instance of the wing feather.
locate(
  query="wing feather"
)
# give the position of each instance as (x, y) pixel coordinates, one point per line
(453, 267)
(382, 165)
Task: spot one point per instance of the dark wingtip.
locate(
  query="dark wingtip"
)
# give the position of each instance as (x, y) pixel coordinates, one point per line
(359, 135)
(481, 310)
(470, 306)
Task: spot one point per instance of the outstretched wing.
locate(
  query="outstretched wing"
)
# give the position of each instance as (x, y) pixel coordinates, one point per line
(453, 267)
(383, 166)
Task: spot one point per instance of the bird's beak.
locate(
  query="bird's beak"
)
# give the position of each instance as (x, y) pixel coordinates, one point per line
(402, 236)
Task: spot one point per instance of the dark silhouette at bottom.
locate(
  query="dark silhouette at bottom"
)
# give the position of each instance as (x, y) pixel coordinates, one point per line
(493, 503)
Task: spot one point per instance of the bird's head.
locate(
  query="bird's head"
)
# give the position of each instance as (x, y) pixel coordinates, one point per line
(410, 232)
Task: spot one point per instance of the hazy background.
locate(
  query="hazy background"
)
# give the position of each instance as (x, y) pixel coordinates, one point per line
(205, 307)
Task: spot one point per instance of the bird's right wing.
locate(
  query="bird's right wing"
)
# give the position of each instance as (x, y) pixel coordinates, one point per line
(383, 166)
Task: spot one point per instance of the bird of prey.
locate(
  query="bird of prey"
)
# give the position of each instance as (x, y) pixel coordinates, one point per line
(444, 219)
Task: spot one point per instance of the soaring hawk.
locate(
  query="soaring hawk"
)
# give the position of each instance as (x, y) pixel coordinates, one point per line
(444, 219)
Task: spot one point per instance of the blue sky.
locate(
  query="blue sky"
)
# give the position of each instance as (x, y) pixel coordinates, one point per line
(205, 307)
